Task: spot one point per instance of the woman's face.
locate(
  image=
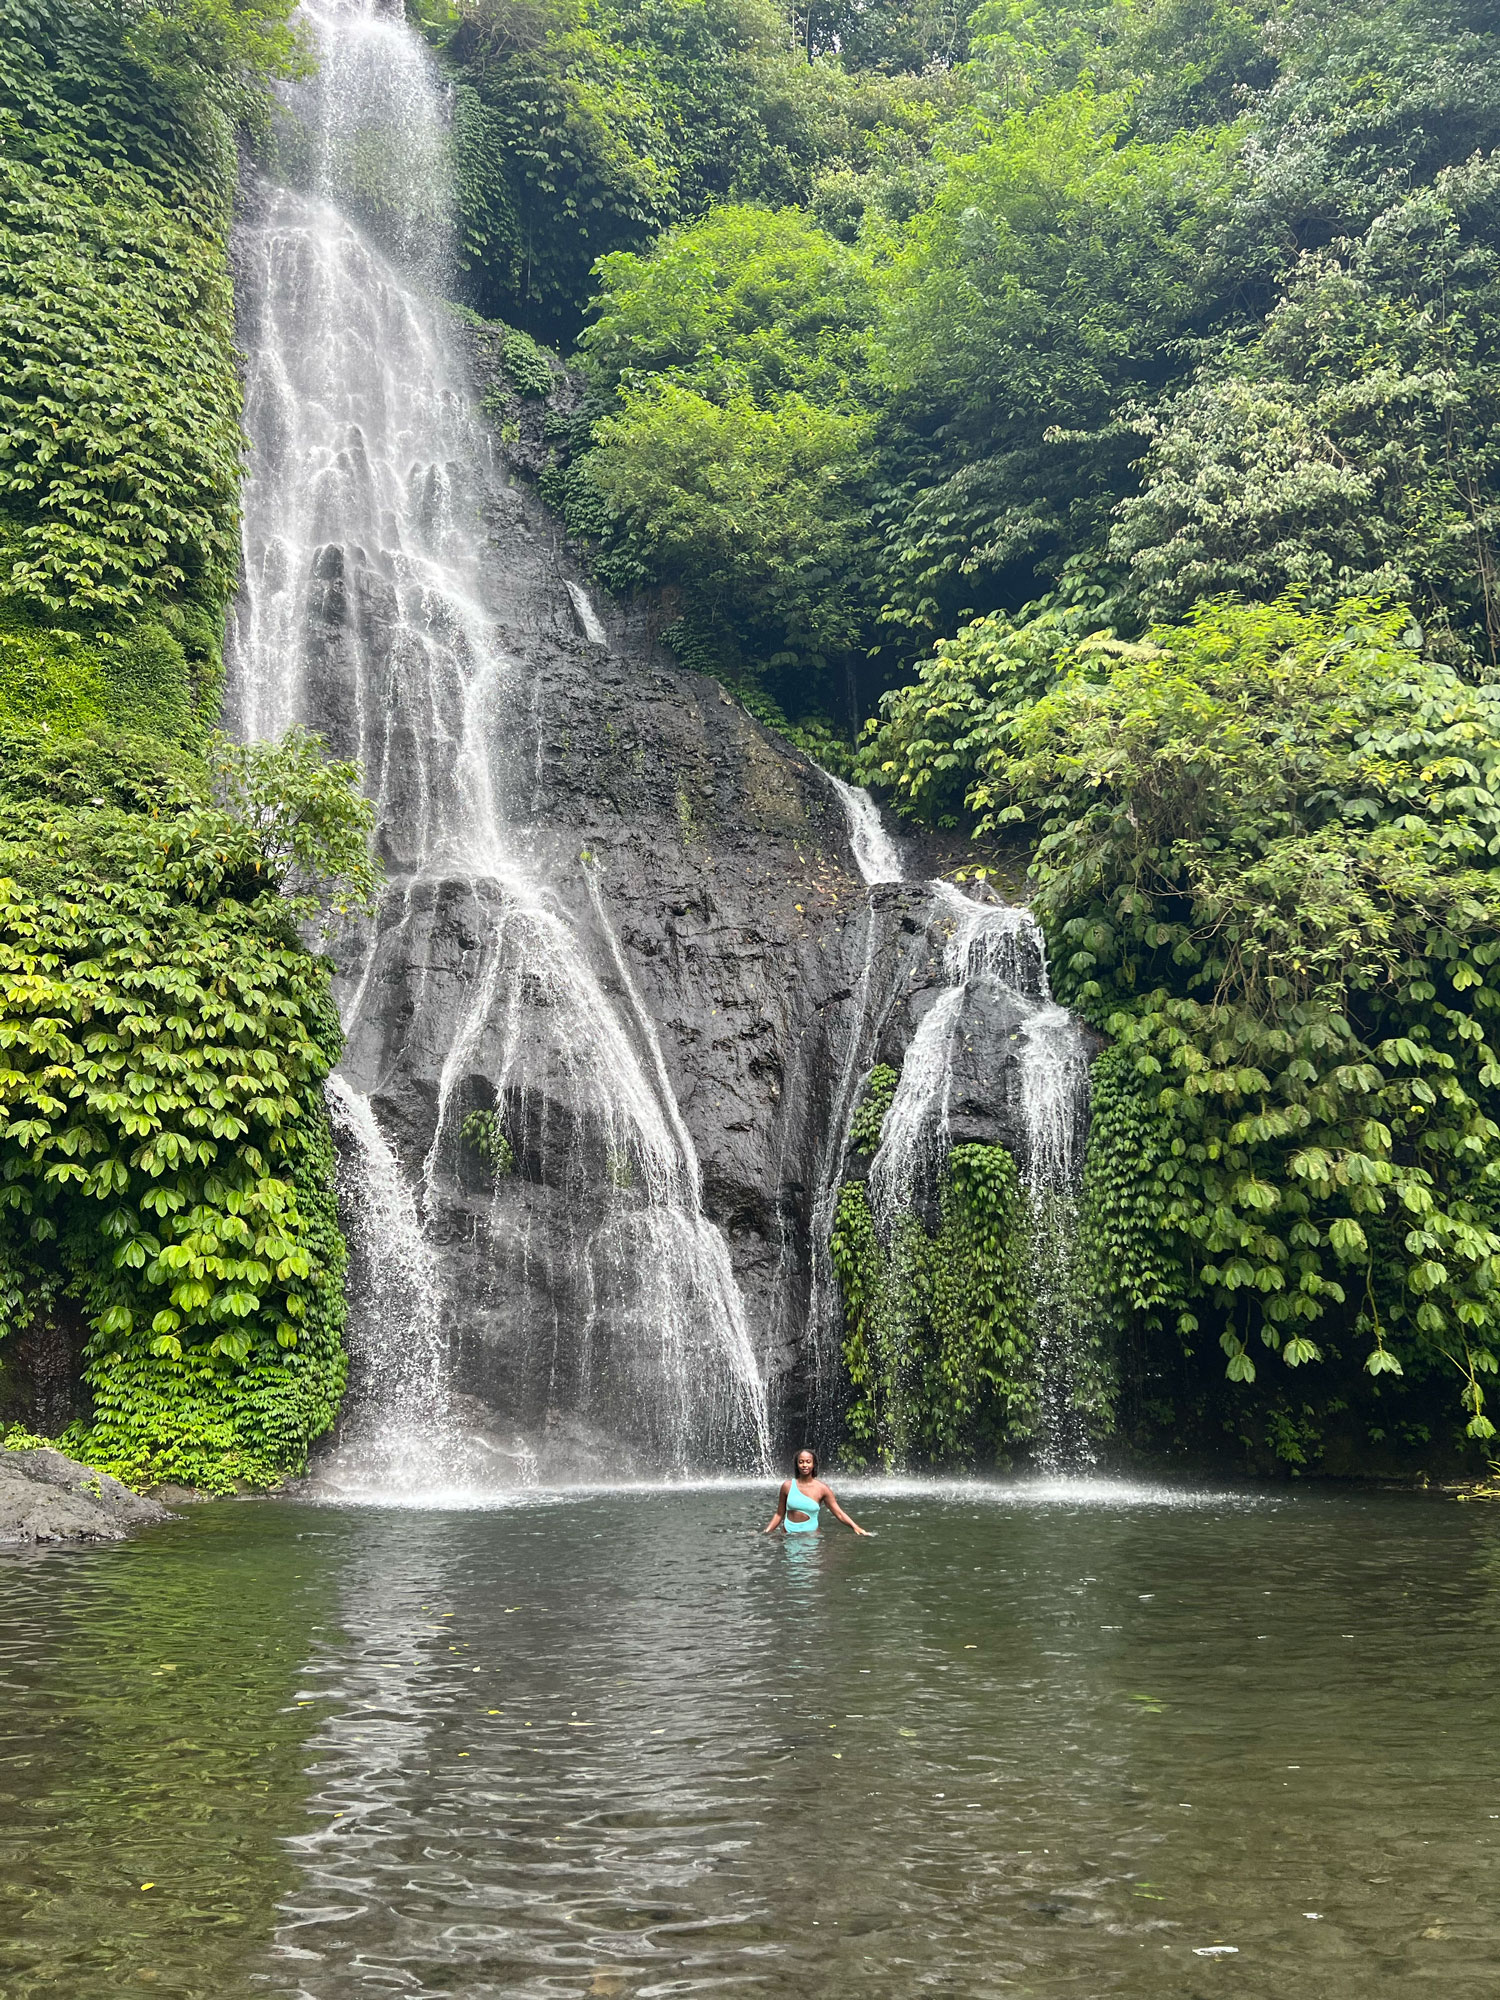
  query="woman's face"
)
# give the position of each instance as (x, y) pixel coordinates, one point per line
(806, 1465)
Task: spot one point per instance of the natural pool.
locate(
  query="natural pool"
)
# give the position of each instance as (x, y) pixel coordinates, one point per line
(1028, 1741)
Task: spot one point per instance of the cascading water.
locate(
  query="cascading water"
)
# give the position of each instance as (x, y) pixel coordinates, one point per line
(996, 957)
(406, 1374)
(378, 592)
(875, 854)
(879, 862)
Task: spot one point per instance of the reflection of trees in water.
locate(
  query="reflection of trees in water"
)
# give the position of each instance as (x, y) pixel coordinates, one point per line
(150, 1689)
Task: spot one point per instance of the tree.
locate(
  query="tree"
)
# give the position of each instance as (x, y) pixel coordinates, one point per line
(727, 461)
(1052, 280)
(1353, 446)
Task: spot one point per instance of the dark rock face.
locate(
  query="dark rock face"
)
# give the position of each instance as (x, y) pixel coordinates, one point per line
(47, 1497)
(623, 923)
(706, 866)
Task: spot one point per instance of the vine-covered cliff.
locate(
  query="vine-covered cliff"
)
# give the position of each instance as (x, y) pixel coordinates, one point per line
(171, 1296)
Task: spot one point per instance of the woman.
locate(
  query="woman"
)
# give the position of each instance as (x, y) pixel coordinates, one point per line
(801, 1498)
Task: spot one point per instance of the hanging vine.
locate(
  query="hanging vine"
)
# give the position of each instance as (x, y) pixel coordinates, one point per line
(936, 1356)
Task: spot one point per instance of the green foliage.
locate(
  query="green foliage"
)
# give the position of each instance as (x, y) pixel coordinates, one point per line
(868, 1122)
(560, 152)
(1243, 259)
(904, 35)
(935, 1349)
(529, 366)
(727, 457)
(584, 129)
(1266, 868)
(134, 678)
(52, 680)
(717, 498)
(814, 735)
(1126, 1239)
(976, 1382)
(165, 1160)
(1058, 267)
(1368, 102)
(875, 1338)
(16, 1437)
(1353, 446)
(301, 823)
(483, 1131)
(242, 1408)
(750, 301)
(166, 1166)
(119, 435)
(214, 60)
(933, 736)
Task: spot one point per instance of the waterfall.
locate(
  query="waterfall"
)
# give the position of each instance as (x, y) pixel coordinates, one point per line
(1054, 1103)
(995, 956)
(875, 853)
(589, 621)
(402, 1406)
(384, 576)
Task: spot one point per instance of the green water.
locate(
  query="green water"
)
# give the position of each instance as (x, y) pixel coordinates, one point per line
(619, 1744)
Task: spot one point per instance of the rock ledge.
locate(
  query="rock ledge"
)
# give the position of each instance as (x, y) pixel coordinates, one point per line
(48, 1497)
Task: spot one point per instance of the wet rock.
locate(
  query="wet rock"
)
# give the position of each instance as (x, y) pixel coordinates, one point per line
(702, 870)
(48, 1497)
(706, 865)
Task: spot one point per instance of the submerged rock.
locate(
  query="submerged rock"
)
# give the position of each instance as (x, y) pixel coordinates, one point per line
(47, 1497)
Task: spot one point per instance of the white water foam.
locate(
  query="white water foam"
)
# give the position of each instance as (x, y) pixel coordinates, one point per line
(1087, 1492)
(589, 621)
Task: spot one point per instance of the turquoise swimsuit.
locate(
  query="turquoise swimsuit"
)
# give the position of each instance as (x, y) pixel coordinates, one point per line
(795, 1497)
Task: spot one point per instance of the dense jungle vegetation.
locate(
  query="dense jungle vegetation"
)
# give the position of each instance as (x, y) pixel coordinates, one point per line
(1078, 417)
(167, 1223)
(1104, 396)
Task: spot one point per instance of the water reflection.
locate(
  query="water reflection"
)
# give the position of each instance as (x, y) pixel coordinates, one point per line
(150, 1736)
(628, 1745)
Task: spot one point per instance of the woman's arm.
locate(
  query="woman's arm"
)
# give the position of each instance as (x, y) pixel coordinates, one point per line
(780, 1515)
(838, 1513)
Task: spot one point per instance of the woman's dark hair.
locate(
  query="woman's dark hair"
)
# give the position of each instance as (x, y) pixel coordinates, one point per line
(807, 1448)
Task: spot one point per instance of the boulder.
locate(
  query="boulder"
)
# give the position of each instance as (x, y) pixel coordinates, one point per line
(47, 1497)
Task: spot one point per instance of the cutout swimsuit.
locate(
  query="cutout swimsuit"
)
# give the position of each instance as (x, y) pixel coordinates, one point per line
(795, 1497)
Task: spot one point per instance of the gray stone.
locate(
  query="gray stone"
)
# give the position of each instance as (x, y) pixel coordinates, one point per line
(772, 977)
(48, 1497)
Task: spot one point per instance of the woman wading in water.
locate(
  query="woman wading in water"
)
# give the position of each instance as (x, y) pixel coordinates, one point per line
(801, 1498)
